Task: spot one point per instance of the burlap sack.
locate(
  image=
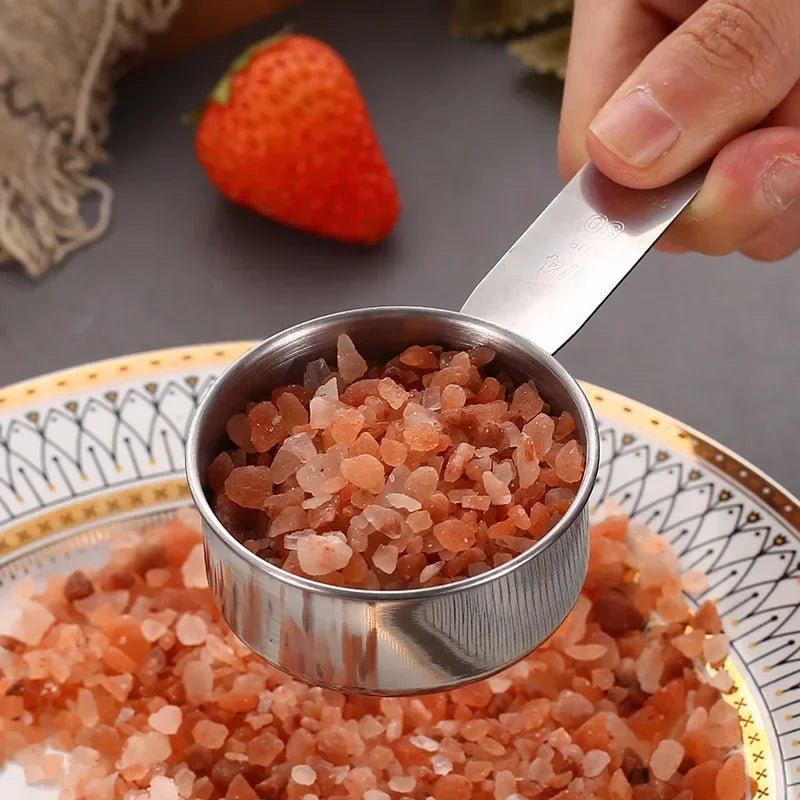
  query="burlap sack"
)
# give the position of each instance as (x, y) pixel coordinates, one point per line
(58, 59)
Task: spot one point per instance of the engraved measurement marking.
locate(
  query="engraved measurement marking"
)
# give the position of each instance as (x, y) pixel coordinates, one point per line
(605, 227)
(553, 265)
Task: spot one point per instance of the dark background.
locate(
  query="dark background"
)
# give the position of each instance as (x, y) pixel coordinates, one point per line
(472, 143)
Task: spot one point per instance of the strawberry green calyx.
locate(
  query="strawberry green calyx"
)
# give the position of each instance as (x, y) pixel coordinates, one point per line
(222, 91)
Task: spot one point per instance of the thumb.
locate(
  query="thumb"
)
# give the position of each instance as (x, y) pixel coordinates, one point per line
(715, 77)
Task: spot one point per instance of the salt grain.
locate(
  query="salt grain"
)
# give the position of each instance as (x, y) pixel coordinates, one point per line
(191, 630)
(666, 759)
(424, 743)
(166, 720)
(303, 774)
(402, 784)
(163, 788)
(209, 734)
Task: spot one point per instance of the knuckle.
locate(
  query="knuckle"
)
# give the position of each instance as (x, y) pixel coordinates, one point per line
(732, 37)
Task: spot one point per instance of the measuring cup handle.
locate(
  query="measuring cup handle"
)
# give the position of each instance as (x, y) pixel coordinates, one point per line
(559, 272)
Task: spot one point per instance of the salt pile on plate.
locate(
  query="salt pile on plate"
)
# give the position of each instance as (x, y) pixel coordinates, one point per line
(111, 668)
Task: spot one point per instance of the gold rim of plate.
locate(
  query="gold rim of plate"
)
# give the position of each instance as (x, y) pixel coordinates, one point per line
(80, 514)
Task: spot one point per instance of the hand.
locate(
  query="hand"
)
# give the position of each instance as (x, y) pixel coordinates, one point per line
(656, 88)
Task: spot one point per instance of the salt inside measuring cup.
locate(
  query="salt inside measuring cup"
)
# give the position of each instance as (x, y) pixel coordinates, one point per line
(416, 472)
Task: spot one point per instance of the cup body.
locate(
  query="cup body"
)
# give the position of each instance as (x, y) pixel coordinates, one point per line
(391, 642)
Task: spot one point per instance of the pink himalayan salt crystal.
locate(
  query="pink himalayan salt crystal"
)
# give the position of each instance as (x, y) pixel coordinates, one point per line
(315, 374)
(393, 452)
(586, 652)
(210, 734)
(33, 623)
(249, 487)
(419, 521)
(193, 570)
(404, 501)
(505, 784)
(594, 762)
(461, 455)
(424, 743)
(422, 483)
(323, 408)
(526, 401)
(541, 770)
(292, 411)
(291, 518)
(144, 749)
(618, 787)
(376, 794)
(385, 558)
(87, 708)
(166, 720)
(496, 490)
(346, 425)
(441, 765)
(649, 668)
(454, 535)
(238, 429)
(321, 554)
(321, 472)
(694, 582)
(419, 358)
(716, 649)
(191, 630)
(430, 571)
(569, 463)
(303, 775)
(402, 784)
(540, 430)
(526, 461)
(163, 788)
(385, 520)
(722, 681)
(365, 472)
(572, 708)
(690, 644)
(732, 781)
(453, 397)
(421, 437)
(478, 502)
(349, 361)
(393, 393)
(198, 681)
(285, 464)
(300, 445)
(504, 472)
(666, 759)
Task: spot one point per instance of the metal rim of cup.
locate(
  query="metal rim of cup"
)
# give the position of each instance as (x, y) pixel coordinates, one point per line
(196, 481)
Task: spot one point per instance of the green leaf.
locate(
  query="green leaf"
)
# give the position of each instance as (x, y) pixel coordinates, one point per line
(479, 19)
(222, 91)
(546, 52)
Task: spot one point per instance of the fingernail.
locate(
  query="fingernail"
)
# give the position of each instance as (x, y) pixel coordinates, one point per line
(637, 128)
(782, 182)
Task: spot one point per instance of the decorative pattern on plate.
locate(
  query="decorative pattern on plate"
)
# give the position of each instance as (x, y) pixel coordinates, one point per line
(106, 441)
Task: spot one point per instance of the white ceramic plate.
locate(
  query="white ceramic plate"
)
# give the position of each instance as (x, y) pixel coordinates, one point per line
(87, 447)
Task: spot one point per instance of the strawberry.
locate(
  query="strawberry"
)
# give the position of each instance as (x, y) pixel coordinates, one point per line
(287, 134)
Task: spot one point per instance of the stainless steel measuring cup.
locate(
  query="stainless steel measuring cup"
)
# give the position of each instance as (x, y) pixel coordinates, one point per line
(422, 640)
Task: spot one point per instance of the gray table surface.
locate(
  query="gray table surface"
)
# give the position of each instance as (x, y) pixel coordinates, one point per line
(472, 143)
